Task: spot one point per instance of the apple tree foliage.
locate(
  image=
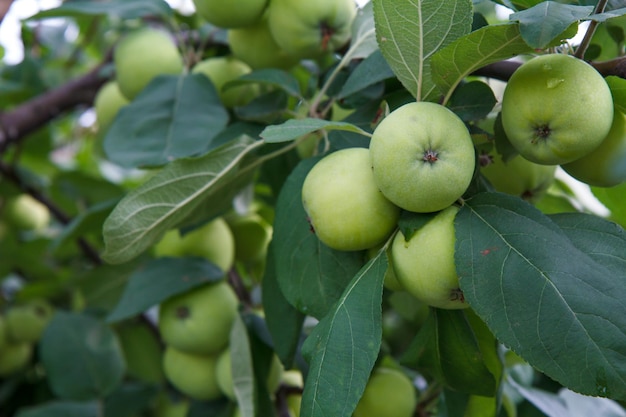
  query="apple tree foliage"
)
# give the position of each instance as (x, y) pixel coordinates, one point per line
(546, 282)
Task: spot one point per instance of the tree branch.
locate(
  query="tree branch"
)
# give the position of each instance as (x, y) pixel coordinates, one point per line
(5, 5)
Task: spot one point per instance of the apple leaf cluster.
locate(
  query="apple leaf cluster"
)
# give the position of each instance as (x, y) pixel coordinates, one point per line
(263, 208)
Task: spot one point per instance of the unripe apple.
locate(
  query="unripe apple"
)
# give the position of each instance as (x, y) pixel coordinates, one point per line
(388, 393)
(142, 349)
(193, 375)
(425, 264)
(199, 321)
(107, 103)
(252, 235)
(556, 108)
(14, 356)
(25, 323)
(606, 165)
(422, 156)
(25, 213)
(231, 13)
(142, 55)
(255, 46)
(310, 28)
(213, 241)
(221, 70)
(390, 280)
(225, 375)
(345, 207)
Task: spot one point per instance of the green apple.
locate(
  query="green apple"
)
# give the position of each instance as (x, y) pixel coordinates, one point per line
(14, 356)
(555, 109)
(223, 69)
(167, 406)
(518, 176)
(309, 28)
(255, 46)
(142, 349)
(107, 103)
(199, 321)
(388, 393)
(422, 156)
(25, 213)
(345, 207)
(213, 241)
(252, 235)
(425, 265)
(26, 322)
(193, 375)
(605, 166)
(142, 55)
(225, 375)
(231, 13)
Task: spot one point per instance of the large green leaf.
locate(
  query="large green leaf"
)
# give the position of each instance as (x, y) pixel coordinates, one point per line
(62, 409)
(363, 42)
(343, 347)
(173, 117)
(373, 69)
(242, 368)
(310, 274)
(118, 8)
(82, 357)
(613, 199)
(410, 32)
(164, 201)
(295, 128)
(551, 290)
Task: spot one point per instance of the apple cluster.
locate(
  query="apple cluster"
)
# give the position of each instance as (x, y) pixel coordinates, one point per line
(558, 110)
(21, 327)
(420, 159)
(23, 213)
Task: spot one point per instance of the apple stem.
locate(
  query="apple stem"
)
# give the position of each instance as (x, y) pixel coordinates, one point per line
(584, 44)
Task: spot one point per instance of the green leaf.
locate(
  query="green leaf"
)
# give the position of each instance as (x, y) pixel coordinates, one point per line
(173, 117)
(618, 91)
(129, 399)
(542, 23)
(363, 42)
(284, 322)
(343, 347)
(310, 274)
(447, 348)
(409, 33)
(554, 295)
(613, 199)
(161, 279)
(102, 287)
(116, 8)
(270, 76)
(242, 368)
(145, 214)
(97, 363)
(484, 46)
(86, 222)
(373, 69)
(472, 101)
(294, 128)
(602, 17)
(62, 409)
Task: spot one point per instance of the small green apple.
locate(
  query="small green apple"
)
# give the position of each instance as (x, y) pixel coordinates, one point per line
(605, 166)
(225, 375)
(25, 213)
(556, 108)
(142, 55)
(255, 46)
(223, 69)
(107, 103)
(309, 28)
(422, 156)
(26, 322)
(199, 321)
(388, 393)
(193, 375)
(232, 13)
(345, 207)
(14, 356)
(425, 265)
(142, 349)
(252, 235)
(166, 406)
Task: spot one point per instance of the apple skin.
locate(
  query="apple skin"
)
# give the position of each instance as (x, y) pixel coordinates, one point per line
(252, 235)
(142, 55)
(199, 321)
(107, 103)
(213, 241)
(606, 165)
(232, 13)
(221, 70)
(14, 356)
(193, 375)
(255, 46)
(518, 176)
(425, 264)
(25, 323)
(225, 375)
(556, 109)
(142, 350)
(346, 209)
(25, 213)
(308, 29)
(388, 393)
(423, 157)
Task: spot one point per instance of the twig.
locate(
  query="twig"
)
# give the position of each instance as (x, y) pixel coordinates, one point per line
(5, 5)
(584, 44)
